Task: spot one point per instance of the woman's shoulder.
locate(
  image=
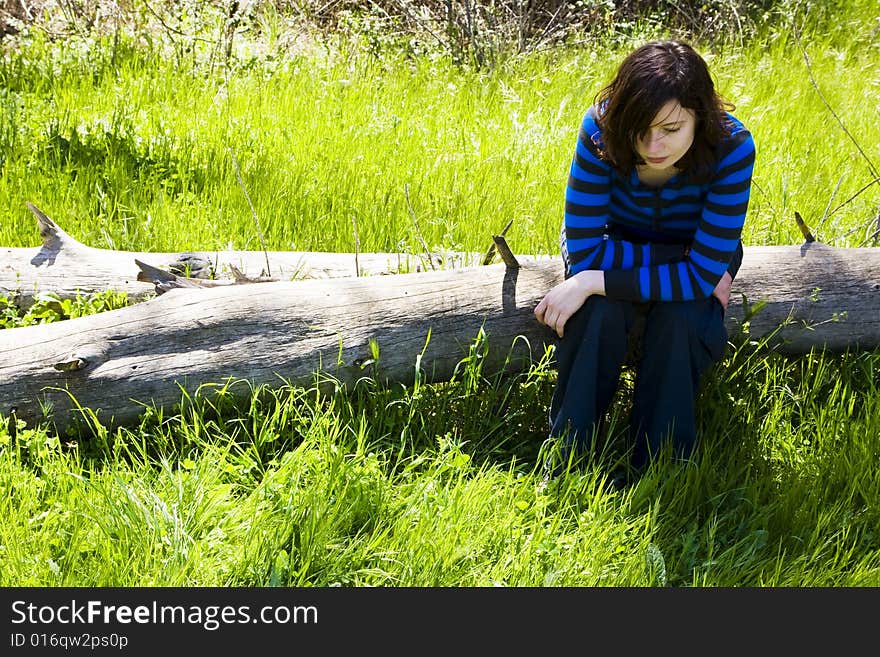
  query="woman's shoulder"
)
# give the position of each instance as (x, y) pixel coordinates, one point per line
(591, 132)
(738, 138)
(736, 128)
(591, 119)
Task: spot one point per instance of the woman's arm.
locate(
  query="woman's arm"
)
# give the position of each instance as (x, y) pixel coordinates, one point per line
(716, 241)
(699, 273)
(587, 198)
(564, 299)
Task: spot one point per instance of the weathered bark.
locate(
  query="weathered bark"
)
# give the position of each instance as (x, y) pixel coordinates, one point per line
(66, 267)
(822, 297)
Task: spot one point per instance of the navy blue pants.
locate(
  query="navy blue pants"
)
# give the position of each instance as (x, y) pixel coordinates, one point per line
(680, 340)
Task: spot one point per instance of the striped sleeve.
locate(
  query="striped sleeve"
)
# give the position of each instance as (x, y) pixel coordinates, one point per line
(587, 196)
(716, 241)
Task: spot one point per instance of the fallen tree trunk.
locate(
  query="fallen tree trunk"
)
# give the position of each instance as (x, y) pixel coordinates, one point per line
(65, 267)
(813, 296)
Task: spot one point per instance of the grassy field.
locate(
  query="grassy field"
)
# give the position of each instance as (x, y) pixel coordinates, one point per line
(434, 485)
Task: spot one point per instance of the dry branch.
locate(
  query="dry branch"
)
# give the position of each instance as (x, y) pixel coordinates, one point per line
(66, 267)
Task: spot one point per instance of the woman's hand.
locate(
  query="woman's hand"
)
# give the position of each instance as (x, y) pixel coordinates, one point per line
(722, 290)
(563, 300)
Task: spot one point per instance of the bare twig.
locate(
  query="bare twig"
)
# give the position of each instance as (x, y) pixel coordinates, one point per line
(827, 105)
(876, 234)
(170, 29)
(70, 13)
(26, 9)
(506, 254)
(327, 6)
(253, 210)
(851, 198)
(808, 236)
(416, 224)
(738, 22)
(493, 248)
(846, 234)
(6, 16)
(767, 196)
(357, 245)
(871, 166)
(546, 31)
(405, 7)
(236, 13)
(851, 231)
(828, 206)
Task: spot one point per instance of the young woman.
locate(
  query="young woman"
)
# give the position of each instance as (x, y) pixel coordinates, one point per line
(654, 208)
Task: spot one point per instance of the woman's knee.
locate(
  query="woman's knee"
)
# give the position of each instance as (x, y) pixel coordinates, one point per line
(600, 324)
(684, 318)
(698, 323)
(606, 313)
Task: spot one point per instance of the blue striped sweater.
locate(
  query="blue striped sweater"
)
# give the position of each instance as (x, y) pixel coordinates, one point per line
(668, 243)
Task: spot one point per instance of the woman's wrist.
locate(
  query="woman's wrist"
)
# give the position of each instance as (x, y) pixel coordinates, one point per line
(592, 281)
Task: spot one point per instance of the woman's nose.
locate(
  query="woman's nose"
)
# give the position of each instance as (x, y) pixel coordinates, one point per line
(652, 140)
(653, 136)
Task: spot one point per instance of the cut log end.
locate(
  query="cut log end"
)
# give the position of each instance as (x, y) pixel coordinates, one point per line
(192, 265)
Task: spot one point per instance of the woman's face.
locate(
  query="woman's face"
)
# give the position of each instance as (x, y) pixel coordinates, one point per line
(668, 138)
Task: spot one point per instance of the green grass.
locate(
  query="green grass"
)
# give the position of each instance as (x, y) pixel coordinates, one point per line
(409, 488)
(140, 156)
(432, 485)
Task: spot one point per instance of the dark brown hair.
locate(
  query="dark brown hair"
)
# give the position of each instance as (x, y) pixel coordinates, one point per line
(649, 77)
